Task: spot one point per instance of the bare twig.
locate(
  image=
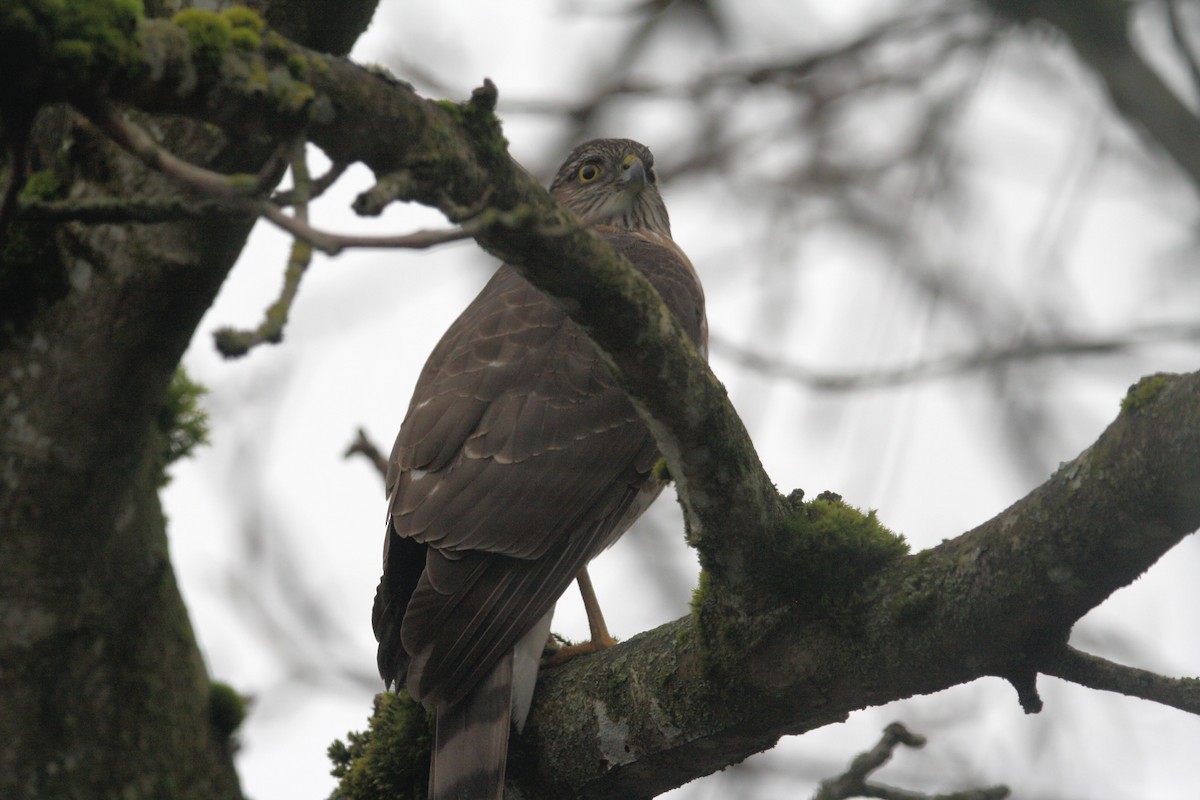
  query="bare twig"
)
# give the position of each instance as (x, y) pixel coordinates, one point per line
(140, 144)
(317, 186)
(232, 343)
(853, 782)
(334, 243)
(362, 445)
(949, 365)
(1100, 673)
(239, 192)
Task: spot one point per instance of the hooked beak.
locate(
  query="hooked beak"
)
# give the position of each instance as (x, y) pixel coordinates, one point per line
(633, 172)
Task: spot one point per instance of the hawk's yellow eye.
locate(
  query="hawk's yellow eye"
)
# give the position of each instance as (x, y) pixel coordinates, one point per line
(588, 173)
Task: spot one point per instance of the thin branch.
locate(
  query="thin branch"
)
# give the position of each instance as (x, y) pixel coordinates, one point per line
(140, 144)
(316, 188)
(950, 365)
(334, 243)
(233, 343)
(1095, 672)
(362, 445)
(238, 192)
(853, 782)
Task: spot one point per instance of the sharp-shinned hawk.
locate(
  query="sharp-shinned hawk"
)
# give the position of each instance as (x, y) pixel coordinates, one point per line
(519, 460)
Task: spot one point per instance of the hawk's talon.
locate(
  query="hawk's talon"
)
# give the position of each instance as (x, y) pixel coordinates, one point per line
(601, 639)
(570, 651)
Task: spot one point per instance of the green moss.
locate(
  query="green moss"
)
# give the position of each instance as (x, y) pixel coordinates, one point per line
(43, 185)
(479, 113)
(227, 710)
(210, 35)
(1145, 390)
(478, 118)
(685, 637)
(815, 568)
(915, 599)
(450, 107)
(725, 634)
(665, 675)
(242, 183)
(293, 96)
(701, 592)
(63, 49)
(242, 18)
(182, 424)
(275, 46)
(662, 471)
(826, 550)
(319, 67)
(389, 761)
(258, 79)
(297, 64)
(244, 39)
(267, 65)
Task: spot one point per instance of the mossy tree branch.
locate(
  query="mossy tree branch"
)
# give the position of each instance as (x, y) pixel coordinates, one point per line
(999, 600)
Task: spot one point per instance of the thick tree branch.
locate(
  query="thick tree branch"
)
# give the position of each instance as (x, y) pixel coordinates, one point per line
(100, 210)
(645, 716)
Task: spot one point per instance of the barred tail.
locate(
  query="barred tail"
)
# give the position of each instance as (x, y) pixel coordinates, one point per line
(471, 740)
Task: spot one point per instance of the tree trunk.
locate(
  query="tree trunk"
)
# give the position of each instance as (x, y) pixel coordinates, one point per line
(103, 690)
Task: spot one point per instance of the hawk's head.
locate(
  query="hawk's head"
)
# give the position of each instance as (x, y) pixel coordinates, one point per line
(612, 182)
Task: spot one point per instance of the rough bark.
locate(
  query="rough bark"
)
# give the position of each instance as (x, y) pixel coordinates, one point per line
(999, 600)
(103, 690)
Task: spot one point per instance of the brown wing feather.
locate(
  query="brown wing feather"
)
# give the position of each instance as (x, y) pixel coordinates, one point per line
(467, 611)
(519, 460)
